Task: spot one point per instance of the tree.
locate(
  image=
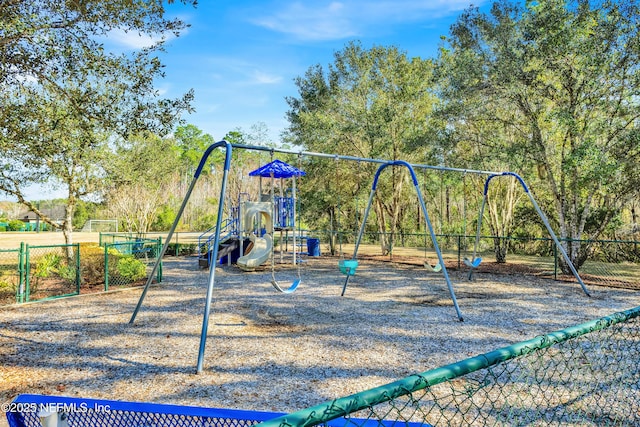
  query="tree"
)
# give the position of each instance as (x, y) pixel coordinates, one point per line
(563, 78)
(371, 103)
(64, 95)
(145, 167)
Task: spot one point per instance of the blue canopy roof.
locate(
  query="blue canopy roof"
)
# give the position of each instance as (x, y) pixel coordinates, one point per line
(279, 169)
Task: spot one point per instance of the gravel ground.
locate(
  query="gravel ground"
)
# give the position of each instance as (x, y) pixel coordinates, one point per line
(275, 352)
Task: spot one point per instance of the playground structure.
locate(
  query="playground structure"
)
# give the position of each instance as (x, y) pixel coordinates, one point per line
(352, 266)
(247, 236)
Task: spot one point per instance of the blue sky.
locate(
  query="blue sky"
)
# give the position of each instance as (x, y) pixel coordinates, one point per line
(241, 57)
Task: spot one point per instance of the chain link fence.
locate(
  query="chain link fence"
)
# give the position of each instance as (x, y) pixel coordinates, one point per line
(11, 266)
(129, 261)
(586, 375)
(51, 272)
(614, 263)
(34, 273)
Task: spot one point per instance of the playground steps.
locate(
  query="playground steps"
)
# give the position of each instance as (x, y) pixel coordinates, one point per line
(229, 247)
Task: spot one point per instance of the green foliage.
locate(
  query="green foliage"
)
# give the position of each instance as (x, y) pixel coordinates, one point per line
(15, 225)
(91, 264)
(550, 90)
(67, 272)
(7, 291)
(370, 103)
(165, 218)
(191, 143)
(131, 269)
(47, 264)
(84, 211)
(66, 97)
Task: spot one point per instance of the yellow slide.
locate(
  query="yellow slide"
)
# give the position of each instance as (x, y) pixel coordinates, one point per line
(259, 253)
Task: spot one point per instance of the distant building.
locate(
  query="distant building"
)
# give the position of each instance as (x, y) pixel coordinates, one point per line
(32, 220)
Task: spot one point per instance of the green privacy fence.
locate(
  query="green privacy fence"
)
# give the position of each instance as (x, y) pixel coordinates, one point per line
(586, 375)
(34, 273)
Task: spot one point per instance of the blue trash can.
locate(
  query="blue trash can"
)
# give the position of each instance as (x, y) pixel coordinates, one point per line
(313, 247)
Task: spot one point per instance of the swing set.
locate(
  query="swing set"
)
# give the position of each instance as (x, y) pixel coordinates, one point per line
(346, 266)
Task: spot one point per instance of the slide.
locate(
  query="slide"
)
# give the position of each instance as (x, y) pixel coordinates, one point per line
(259, 254)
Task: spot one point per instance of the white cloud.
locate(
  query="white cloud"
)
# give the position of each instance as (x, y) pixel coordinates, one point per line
(134, 40)
(334, 20)
(310, 22)
(260, 77)
(238, 72)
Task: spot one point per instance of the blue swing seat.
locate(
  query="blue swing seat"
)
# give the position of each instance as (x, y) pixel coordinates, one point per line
(348, 266)
(472, 263)
(433, 268)
(288, 290)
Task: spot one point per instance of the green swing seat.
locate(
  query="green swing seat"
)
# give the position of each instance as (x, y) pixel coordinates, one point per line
(348, 266)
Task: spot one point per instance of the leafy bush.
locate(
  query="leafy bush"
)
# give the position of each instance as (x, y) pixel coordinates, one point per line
(91, 263)
(185, 249)
(47, 264)
(131, 269)
(67, 272)
(7, 291)
(15, 225)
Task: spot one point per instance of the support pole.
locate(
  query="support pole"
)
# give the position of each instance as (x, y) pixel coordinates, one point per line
(196, 175)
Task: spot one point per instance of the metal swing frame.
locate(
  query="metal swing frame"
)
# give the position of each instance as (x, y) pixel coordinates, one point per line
(228, 147)
(416, 185)
(476, 261)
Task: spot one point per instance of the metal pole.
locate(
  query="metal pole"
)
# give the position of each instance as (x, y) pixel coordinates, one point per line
(555, 239)
(212, 266)
(176, 221)
(357, 159)
(360, 233)
(544, 219)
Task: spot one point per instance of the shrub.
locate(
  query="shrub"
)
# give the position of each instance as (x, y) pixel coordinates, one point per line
(15, 225)
(47, 264)
(91, 263)
(131, 269)
(67, 272)
(185, 249)
(7, 292)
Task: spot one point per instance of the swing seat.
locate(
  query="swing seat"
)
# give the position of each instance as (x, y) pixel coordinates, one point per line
(348, 266)
(435, 269)
(288, 290)
(473, 264)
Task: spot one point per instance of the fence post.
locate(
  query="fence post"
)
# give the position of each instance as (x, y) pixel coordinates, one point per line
(27, 272)
(106, 268)
(21, 275)
(78, 271)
